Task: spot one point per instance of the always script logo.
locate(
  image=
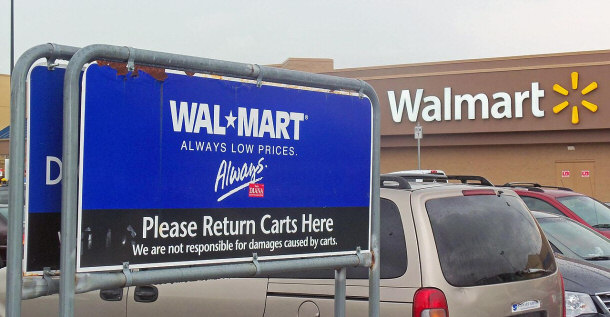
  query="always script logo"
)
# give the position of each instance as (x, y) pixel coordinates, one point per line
(235, 178)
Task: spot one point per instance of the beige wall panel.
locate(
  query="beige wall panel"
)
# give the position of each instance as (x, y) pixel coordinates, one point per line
(505, 163)
(4, 147)
(5, 99)
(575, 177)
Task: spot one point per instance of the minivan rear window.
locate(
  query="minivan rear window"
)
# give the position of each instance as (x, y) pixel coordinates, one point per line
(488, 239)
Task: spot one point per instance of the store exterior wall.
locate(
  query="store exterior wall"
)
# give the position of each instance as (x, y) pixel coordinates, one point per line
(513, 163)
(312, 65)
(500, 118)
(530, 118)
(5, 99)
(5, 116)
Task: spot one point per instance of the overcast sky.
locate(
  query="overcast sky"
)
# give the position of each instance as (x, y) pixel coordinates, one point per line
(354, 33)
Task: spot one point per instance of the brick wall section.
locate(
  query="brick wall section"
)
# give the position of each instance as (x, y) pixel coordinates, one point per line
(312, 65)
(5, 99)
(507, 163)
(5, 114)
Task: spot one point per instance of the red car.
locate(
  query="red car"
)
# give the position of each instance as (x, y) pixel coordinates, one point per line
(565, 202)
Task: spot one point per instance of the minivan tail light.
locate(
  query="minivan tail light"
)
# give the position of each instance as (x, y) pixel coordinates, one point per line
(473, 192)
(430, 302)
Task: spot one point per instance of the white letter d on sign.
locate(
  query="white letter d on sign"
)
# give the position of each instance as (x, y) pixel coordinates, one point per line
(55, 181)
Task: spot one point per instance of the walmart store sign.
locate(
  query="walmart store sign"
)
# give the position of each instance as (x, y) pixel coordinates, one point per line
(499, 105)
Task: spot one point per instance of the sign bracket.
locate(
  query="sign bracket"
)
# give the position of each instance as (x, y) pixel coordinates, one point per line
(130, 60)
(127, 273)
(259, 79)
(255, 262)
(46, 275)
(51, 64)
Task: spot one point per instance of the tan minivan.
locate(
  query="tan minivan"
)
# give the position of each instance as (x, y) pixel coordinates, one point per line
(447, 250)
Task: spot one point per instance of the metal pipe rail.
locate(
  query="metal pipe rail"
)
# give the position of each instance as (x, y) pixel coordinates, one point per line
(85, 282)
(70, 282)
(17, 149)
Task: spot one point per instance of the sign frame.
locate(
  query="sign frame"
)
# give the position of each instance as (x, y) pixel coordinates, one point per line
(29, 177)
(252, 87)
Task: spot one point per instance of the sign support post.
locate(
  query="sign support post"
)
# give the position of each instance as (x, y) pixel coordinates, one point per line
(418, 134)
(17, 148)
(340, 290)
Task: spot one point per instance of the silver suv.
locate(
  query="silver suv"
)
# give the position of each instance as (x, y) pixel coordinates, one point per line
(446, 249)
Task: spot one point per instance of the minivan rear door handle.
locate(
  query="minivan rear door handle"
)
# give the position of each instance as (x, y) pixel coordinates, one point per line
(146, 294)
(112, 295)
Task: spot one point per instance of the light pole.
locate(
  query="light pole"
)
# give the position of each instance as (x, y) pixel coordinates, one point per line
(12, 37)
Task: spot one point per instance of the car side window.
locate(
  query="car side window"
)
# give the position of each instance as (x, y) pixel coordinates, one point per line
(393, 247)
(540, 205)
(393, 250)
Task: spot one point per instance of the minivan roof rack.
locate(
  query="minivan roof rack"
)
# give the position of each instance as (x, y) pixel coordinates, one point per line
(420, 172)
(465, 178)
(418, 176)
(392, 181)
(534, 186)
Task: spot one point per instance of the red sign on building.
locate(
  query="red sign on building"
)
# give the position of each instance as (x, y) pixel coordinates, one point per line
(585, 173)
(565, 173)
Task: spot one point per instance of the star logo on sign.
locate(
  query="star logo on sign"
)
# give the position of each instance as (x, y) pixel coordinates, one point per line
(230, 120)
(588, 105)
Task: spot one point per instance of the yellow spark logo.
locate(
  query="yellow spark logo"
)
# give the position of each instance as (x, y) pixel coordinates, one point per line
(590, 106)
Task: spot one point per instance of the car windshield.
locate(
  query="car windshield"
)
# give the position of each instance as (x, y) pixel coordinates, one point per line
(579, 239)
(590, 210)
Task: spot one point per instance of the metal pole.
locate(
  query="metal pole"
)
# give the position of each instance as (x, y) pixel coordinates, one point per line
(17, 150)
(340, 290)
(85, 282)
(12, 36)
(418, 154)
(374, 271)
